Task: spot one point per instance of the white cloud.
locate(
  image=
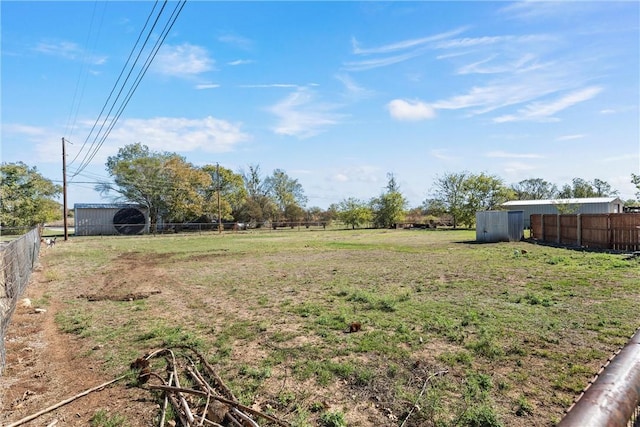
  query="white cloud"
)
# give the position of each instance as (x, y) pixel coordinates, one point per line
(472, 42)
(172, 134)
(403, 45)
(276, 85)
(570, 137)
(26, 130)
(168, 133)
(506, 155)
(353, 88)
(183, 60)
(299, 115)
(363, 173)
(240, 62)
(69, 50)
(517, 167)
(207, 86)
(442, 154)
(539, 111)
(237, 41)
(380, 62)
(401, 109)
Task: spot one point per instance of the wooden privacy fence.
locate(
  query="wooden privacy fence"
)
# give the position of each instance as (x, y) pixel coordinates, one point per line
(617, 231)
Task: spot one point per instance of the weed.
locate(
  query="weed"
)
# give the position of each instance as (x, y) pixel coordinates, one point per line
(523, 408)
(333, 419)
(480, 416)
(102, 419)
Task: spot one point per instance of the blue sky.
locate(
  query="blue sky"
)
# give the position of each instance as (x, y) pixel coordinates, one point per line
(336, 94)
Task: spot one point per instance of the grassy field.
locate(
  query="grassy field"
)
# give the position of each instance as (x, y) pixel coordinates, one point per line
(463, 334)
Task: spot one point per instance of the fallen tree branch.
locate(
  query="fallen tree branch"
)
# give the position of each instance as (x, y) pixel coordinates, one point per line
(64, 402)
(221, 399)
(424, 387)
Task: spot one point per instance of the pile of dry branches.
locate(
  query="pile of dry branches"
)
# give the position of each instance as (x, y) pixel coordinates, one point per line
(208, 401)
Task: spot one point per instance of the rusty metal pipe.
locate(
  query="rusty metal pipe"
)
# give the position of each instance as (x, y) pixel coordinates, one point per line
(613, 397)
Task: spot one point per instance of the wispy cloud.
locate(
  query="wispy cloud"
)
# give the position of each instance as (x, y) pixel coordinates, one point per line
(442, 154)
(570, 137)
(272, 85)
(162, 133)
(183, 60)
(404, 110)
(240, 62)
(513, 168)
(301, 116)
(506, 155)
(362, 173)
(236, 40)
(354, 90)
(207, 86)
(369, 64)
(404, 44)
(68, 50)
(540, 111)
(394, 53)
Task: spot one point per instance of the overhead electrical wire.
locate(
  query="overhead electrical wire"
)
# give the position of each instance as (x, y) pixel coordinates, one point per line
(141, 74)
(100, 136)
(84, 71)
(115, 86)
(122, 71)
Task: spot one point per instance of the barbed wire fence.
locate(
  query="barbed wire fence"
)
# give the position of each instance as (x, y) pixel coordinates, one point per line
(17, 260)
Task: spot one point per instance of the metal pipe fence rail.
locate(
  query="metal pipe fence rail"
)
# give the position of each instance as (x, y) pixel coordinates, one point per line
(612, 399)
(17, 259)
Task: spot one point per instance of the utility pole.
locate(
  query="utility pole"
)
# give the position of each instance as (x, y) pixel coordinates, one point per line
(218, 185)
(64, 192)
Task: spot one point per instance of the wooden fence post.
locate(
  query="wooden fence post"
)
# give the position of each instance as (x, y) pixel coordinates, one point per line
(579, 229)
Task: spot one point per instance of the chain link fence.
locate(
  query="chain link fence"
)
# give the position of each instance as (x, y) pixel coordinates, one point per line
(17, 259)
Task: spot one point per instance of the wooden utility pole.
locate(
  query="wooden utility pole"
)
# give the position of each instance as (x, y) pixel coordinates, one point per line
(64, 192)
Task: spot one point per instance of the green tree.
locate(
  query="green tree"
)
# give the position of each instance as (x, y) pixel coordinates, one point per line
(285, 191)
(162, 182)
(449, 194)
(389, 208)
(27, 198)
(354, 212)
(635, 180)
(233, 195)
(581, 188)
(259, 206)
(294, 214)
(603, 188)
(482, 193)
(534, 189)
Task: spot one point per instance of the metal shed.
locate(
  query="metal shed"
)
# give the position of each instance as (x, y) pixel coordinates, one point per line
(499, 226)
(591, 205)
(97, 219)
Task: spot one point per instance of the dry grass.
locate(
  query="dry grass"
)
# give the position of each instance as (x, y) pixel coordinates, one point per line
(519, 334)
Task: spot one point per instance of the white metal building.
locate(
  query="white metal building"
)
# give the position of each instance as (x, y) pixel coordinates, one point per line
(592, 205)
(97, 219)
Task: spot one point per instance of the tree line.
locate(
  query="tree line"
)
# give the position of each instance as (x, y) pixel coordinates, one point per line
(175, 191)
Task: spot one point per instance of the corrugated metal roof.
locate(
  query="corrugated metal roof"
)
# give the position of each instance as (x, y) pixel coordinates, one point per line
(106, 206)
(579, 201)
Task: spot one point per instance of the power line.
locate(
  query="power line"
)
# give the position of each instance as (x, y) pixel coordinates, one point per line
(95, 146)
(83, 73)
(143, 71)
(115, 85)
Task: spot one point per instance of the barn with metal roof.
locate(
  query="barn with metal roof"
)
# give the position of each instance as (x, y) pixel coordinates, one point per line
(589, 205)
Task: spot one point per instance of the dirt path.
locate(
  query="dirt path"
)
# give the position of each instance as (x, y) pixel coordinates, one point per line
(45, 366)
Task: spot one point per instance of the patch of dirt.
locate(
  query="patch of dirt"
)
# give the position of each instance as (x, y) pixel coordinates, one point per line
(45, 367)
